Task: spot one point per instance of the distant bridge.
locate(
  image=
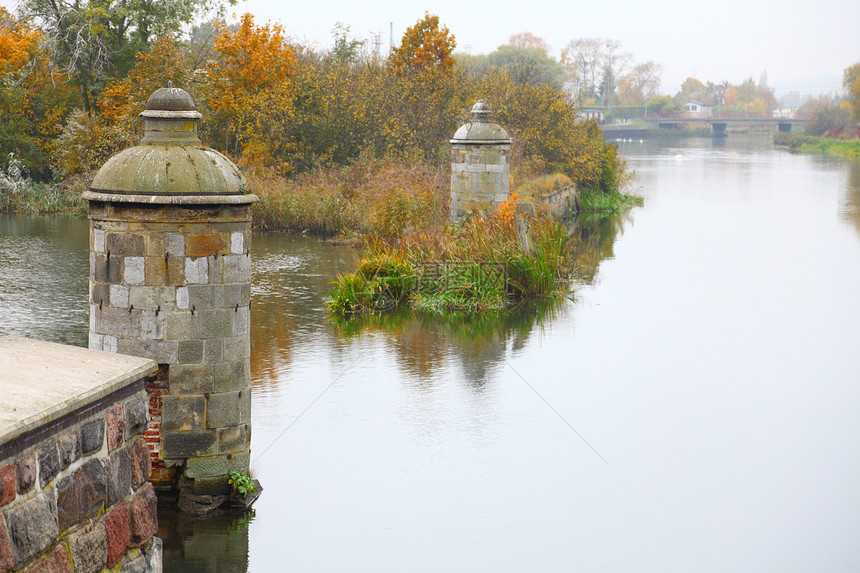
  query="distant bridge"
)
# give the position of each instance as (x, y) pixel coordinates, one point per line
(718, 124)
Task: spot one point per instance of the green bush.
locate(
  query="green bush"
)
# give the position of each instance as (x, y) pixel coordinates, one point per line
(483, 266)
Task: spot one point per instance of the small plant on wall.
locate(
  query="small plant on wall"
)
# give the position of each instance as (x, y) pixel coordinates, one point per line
(241, 482)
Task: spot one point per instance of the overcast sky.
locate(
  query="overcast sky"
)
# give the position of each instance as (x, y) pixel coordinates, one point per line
(797, 42)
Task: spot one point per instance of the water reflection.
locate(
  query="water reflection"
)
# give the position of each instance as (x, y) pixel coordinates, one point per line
(851, 207)
(424, 345)
(203, 545)
(291, 275)
(592, 239)
(714, 365)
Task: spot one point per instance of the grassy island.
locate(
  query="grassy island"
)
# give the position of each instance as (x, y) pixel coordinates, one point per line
(489, 264)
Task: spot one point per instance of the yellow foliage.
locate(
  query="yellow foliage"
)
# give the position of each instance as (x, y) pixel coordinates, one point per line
(535, 189)
(17, 43)
(507, 211)
(249, 60)
(424, 46)
(87, 142)
(286, 113)
(758, 107)
(35, 97)
(251, 91)
(165, 61)
(732, 96)
(851, 83)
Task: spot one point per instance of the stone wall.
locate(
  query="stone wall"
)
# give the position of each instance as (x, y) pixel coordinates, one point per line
(562, 203)
(172, 283)
(480, 178)
(74, 494)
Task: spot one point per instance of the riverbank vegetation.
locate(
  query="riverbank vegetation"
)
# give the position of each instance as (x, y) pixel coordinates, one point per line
(610, 203)
(341, 143)
(21, 194)
(280, 109)
(833, 127)
(798, 142)
(488, 264)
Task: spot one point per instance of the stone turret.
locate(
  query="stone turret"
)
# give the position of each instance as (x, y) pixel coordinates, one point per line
(480, 169)
(170, 273)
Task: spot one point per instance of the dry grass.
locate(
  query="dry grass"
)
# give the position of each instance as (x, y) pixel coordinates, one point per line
(485, 265)
(382, 199)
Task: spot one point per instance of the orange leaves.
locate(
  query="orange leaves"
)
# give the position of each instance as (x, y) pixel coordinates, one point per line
(166, 60)
(732, 96)
(17, 42)
(251, 90)
(507, 210)
(34, 98)
(424, 46)
(116, 101)
(251, 59)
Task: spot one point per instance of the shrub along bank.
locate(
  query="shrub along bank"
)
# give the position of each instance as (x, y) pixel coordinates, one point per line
(488, 264)
(797, 142)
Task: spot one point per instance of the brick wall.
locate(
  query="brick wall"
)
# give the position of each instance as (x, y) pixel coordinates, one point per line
(74, 494)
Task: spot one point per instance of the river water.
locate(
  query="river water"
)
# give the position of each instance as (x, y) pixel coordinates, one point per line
(694, 407)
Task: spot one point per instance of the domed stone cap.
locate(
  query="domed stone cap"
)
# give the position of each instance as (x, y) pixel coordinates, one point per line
(170, 99)
(481, 129)
(170, 166)
(481, 112)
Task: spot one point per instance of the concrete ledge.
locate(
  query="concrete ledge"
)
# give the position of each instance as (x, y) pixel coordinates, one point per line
(166, 199)
(42, 381)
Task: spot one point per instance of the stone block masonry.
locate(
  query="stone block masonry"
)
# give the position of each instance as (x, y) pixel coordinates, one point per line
(74, 465)
(480, 166)
(480, 178)
(170, 275)
(182, 299)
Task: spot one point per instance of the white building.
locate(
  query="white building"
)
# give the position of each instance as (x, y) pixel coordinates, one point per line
(698, 109)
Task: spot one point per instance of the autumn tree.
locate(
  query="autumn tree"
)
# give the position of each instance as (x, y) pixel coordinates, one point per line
(93, 41)
(87, 141)
(748, 99)
(825, 116)
(528, 65)
(528, 40)
(639, 84)
(547, 134)
(851, 83)
(250, 90)
(17, 43)
(662, 105)
(34, 99)
(692, 89)
(424, 46)
(166, 60)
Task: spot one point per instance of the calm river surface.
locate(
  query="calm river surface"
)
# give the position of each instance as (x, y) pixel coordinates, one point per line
(696, 408)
